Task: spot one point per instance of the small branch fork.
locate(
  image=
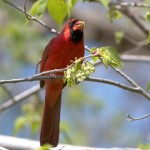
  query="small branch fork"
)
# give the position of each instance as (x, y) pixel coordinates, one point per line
(29, 17)
(122, 7)
(50, 74)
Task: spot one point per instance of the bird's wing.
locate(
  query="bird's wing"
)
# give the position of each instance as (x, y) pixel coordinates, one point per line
(46, 54)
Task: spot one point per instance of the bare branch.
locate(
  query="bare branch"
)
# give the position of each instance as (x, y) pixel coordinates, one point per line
(134, 58)
(110, 82)
(19, 97)
(134, 42)
(135, 18)
(132, 82)
(30, 17)
(132, 4)
(139, 118)
(26, 144)
(33, 78)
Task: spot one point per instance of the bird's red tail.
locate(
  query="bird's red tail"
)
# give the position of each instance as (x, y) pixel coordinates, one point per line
(50, 122)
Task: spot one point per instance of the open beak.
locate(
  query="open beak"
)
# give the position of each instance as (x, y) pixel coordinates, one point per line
(79, 25)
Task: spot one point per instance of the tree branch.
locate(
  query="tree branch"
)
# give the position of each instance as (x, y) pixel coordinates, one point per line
(141, 90)
(36, 88)
(30, 17)
(139, 118)
(132, 4)
(19, 97)
(110, 82)
(126, 11)
(26, 144)
(134, 58)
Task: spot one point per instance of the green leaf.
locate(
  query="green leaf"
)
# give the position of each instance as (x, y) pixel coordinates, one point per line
(70, 5)
(38, 8)
(110, 57)
(148, 86)
(119, 37)
(112, 14)
(147, 16)
(45, 147)
(148, 39)
(78, 72)
(58, 10)
(105, 2)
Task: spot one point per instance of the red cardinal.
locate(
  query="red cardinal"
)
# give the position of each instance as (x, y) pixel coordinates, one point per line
(58, 53)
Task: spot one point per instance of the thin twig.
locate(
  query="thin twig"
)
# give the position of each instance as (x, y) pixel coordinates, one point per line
(110, 82)
(126, 11)
(132, 82)
(139, 118)
(37, 65)
(51, 30)
(33, 78)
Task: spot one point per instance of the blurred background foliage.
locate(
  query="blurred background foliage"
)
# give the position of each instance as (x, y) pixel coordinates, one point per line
(92, 114)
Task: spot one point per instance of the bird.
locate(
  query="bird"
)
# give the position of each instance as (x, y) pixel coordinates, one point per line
(59, 53)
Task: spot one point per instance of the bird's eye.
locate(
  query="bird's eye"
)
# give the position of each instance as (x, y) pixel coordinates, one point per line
(72, 22)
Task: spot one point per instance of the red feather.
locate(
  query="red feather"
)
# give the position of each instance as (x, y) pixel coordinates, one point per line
(57, 54)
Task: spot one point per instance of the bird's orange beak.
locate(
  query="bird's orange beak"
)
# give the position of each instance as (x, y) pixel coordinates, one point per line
(79, 25)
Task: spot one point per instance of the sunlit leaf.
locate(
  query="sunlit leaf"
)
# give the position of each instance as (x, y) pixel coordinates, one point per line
(110, 57)
(38, 8)
(78, 72)
(57, 10)
(113, 14)
(70, 5)
(105, 2)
